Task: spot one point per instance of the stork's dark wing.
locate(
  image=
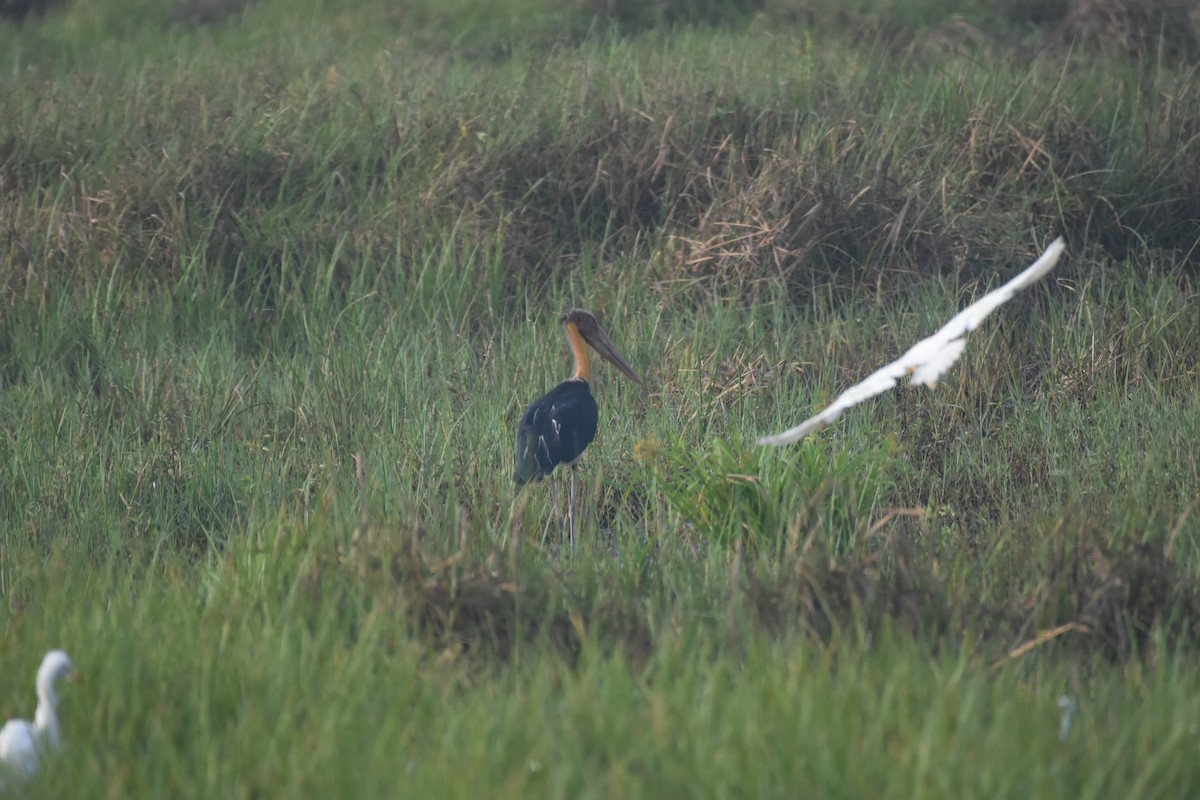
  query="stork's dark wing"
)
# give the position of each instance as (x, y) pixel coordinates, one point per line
(554, 430)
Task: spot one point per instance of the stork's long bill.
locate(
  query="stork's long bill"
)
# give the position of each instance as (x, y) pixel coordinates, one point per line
(583, 328)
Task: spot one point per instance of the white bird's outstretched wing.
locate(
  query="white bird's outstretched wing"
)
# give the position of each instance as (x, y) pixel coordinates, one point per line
(927, 360)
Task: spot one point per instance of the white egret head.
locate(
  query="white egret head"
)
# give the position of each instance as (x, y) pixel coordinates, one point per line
(56, 666)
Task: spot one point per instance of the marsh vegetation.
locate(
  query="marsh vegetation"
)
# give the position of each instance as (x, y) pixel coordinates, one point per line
(277, 279)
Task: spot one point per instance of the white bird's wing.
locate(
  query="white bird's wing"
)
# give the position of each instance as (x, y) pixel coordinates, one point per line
(18, 750)
(928, 359)
(877, 382)
(969, 318)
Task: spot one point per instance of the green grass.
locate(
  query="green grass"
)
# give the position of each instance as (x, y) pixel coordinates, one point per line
(244, 246)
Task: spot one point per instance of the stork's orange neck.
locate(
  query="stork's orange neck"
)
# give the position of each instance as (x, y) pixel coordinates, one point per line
(583, 364)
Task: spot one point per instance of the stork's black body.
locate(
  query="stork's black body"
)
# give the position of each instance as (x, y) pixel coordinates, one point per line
(555, 429)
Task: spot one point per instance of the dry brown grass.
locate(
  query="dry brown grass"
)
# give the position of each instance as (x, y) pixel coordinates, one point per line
(732, 189)
(1141, 28)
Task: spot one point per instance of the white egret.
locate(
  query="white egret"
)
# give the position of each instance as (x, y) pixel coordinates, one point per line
(23, 743)
(928, 359)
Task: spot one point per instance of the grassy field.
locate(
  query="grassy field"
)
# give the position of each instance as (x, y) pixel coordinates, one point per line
(277, 280)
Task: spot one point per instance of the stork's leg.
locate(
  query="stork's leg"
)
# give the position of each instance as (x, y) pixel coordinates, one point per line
(557, 507)
(571, 509)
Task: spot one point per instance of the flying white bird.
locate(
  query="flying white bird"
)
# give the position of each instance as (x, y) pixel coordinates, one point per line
(23, 743)
(928, 359)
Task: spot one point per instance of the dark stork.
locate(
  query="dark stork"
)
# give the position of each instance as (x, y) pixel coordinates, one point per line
(557, 427)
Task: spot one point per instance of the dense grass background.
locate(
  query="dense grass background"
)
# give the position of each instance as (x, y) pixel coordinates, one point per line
(277, 279)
